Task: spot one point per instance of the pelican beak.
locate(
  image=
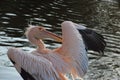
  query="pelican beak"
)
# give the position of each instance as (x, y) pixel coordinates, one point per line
(48, 34)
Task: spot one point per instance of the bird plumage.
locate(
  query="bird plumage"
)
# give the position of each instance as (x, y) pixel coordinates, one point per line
(38, 67)
(46, 64)
(73, 46)
(93, 40)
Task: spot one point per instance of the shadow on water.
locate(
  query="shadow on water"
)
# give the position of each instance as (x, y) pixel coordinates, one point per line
(100, 15)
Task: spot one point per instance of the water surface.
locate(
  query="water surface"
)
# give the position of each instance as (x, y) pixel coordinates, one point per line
(102, 16)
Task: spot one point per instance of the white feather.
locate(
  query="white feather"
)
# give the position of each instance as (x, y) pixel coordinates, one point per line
(44, 64)
(74, 46)
(56, 59)
(39, 67)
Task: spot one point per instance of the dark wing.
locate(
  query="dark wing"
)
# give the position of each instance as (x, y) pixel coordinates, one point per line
(32, 67)
(92, 39)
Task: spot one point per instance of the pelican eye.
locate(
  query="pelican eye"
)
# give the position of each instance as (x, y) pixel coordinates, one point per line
(41, 29)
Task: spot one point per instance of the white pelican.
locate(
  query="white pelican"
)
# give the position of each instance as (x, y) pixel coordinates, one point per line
(46, 64)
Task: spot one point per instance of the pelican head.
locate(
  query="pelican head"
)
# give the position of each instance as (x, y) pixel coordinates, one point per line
(35, 34)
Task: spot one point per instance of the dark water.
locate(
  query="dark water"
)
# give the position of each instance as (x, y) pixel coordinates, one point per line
(102, 16)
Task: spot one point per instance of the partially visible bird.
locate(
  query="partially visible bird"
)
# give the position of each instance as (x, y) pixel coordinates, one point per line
(46, 64)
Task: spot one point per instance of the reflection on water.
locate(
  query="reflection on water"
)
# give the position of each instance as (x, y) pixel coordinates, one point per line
(100, 15)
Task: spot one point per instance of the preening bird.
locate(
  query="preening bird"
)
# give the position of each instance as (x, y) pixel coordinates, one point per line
(47, 64)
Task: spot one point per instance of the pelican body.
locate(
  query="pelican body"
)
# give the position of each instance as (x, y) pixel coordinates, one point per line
(46, 64)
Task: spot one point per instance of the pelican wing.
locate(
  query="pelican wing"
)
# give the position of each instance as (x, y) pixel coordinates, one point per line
(73, 47)
(92, 39)
(32, 67)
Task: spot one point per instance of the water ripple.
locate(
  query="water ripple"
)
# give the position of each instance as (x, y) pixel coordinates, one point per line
(99, 15)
